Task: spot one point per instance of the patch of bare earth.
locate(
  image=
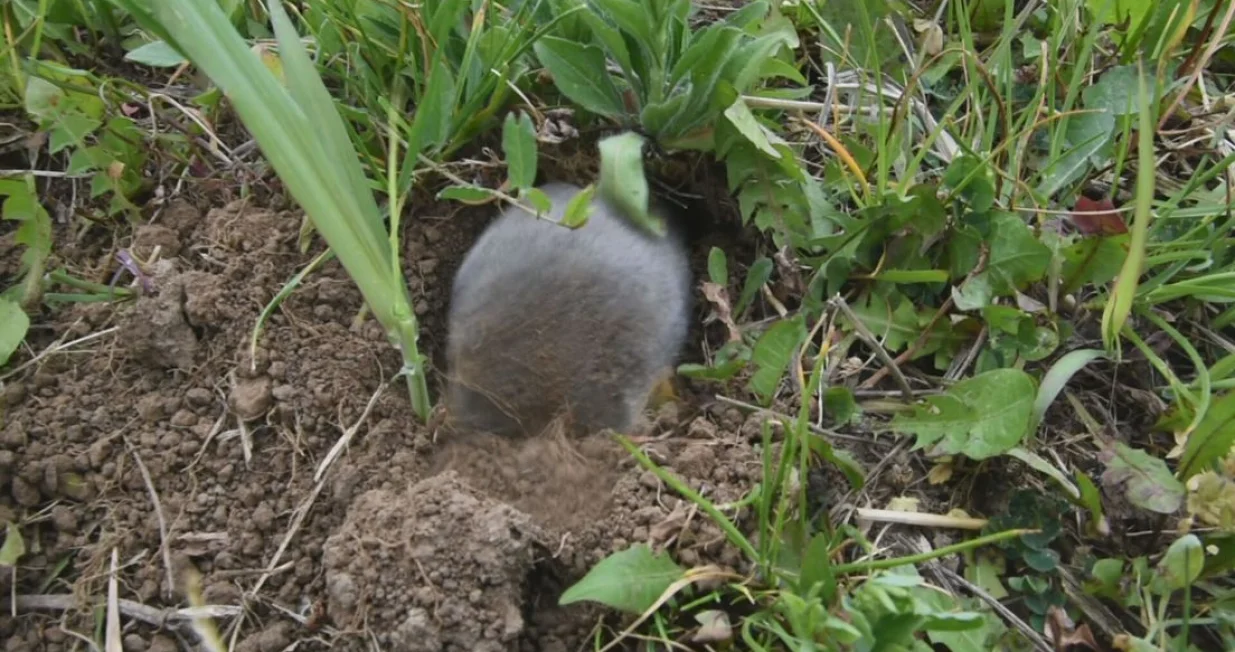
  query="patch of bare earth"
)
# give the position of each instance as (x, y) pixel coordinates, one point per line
(164, 438)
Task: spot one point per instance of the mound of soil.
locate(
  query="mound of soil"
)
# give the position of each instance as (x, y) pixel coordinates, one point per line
(438, 566)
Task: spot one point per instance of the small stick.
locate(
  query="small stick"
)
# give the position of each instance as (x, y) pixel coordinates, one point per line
(158, 514)
(916, 518)
(890, 365)
(136, 610)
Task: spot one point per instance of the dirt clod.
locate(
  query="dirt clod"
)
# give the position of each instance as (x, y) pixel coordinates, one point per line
(443, 548)
(156, 330)
(251, 397)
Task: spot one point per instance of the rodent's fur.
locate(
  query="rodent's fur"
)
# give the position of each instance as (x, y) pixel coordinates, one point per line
(544, 318)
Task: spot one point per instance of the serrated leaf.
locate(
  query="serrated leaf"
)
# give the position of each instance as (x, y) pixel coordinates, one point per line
(519, 146)
(1145, 479)
(630, 580)
(980, 417)
(934, 418)
(14, 323)
(772, 355)
(579, 73)
(1016, 256)
(156, 54)
(71, 129)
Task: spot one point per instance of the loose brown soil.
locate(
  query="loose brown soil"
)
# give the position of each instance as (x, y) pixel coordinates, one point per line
(160, 436)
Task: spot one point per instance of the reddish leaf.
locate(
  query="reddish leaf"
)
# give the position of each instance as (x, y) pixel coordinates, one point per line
(1097, 217)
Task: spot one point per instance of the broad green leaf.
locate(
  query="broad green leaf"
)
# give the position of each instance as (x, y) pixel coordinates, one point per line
(718, 267)
(721, 372)
(1180, 566)
(895, 327)
(772, 355)
(431, 124)
(519, 146)
(973, 179)
(758, 274)
(14, 546)
(1116, 91)
(749, 64)
(630, 580)
(1017, 257)
(658, 117)
(633, 19)
(1092, 261)
(858, 36)
(983, 416)
(1146, 480)
(579, 73)
(539, 201)
(1087, 135)
(624, 183)
(44, 99)
(840, 404)
(1057, 378)
(156, 54)
(613, 43)
(1211, 441)
(975, 293)
(740, 117)
(13, 326)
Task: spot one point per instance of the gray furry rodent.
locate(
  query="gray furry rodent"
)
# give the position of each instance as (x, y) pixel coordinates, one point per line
(545, 319)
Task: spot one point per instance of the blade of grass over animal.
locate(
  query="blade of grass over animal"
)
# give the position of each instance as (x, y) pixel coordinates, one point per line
(310, 95)
(1057, 378)
(1119, 304)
